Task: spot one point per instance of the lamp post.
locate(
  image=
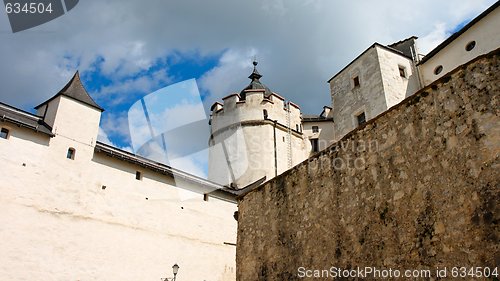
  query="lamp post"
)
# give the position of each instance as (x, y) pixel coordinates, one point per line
(175, 269)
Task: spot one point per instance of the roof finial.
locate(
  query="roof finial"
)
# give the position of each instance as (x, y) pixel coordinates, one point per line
(255, 74)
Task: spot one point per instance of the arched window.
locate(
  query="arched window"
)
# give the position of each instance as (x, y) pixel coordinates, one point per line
(265, 114)
(71, 153)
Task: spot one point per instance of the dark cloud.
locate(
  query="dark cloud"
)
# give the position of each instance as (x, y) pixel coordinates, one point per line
(299, 44)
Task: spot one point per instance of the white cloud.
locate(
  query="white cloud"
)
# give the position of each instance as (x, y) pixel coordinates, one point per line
(431, 40)
(103, 137)
(233, 63)
(121, 90)
(300, 43)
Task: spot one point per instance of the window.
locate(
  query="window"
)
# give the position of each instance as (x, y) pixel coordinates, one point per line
(470, 46)
(438, 69)
(361, 119)
(4, 133)
(355, 80)
(265, 114)
(138, 175)
(297, 127)
(315, 129)
(402, 71)
(315, 145)
(71, 153)
(205, 197)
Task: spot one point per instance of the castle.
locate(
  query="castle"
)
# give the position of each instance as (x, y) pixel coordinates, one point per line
(78, 209)
(271, 135)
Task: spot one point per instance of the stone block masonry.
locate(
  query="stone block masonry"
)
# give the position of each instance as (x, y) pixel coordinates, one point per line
(416, 188)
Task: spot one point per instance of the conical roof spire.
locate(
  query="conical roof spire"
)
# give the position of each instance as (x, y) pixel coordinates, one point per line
(255, 85)
(75, 90)
(255, 76)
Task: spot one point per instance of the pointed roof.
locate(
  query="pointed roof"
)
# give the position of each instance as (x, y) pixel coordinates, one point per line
(75, 90)
(255, 85)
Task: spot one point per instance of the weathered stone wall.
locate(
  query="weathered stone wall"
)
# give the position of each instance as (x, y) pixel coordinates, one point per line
(418, 189)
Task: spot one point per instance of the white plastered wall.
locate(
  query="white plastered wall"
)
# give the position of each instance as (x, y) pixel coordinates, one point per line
(90, 219)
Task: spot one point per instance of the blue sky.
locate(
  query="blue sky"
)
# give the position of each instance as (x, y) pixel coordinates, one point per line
(127, 49)
(181, 67)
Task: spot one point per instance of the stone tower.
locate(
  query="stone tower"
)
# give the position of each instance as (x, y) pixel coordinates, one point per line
(254, 134)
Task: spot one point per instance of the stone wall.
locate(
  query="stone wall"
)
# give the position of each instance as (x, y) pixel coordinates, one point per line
(415, 188)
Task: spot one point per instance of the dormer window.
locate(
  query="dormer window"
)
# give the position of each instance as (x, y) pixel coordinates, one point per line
(4, 133)
(71, 153)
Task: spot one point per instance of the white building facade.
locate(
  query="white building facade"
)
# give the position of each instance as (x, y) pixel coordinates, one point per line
(382, 76)
(379, 78)
(480, 36)
(76, 209)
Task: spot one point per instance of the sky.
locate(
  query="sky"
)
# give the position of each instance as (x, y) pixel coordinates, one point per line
(126, 49)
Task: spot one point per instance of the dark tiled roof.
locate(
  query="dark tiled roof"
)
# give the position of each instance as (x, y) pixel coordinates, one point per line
(75, 90)
(255, 85)
(314, 118)
(402, 41)
(213, 189)
(24, 119)
(458, 33)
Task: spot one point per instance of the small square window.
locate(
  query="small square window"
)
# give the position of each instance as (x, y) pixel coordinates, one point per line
(315, 129)
(71, 153)
(315, 145)
(355, 80)
(138, 175)
(4, 133)
(402, 71)
(361, 119)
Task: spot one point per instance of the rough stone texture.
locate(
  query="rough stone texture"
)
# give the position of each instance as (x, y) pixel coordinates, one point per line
(422, 195)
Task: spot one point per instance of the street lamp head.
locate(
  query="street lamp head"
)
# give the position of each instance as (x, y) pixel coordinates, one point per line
(175, 269)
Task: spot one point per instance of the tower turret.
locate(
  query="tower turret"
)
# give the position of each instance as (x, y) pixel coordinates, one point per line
(254, 133)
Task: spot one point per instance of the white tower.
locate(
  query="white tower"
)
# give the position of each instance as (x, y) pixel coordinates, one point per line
(254, 134)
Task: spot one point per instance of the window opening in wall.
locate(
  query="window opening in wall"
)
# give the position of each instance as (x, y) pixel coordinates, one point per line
(297, 127)
(355, 80)
(4, 133)
(138, 175)
(265, 113)
(315, 145)
(71, 153)
(438, 69)
(205, 197)
(361, 119)
(402, 71)
(315, 129)
(470, 46)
